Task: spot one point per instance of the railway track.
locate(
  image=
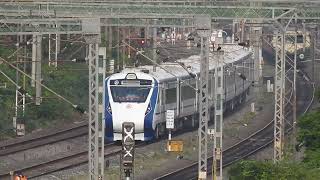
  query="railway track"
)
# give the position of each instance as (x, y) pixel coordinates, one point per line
(65, 161)
(18, 145)
(257, 141)
(60, 162)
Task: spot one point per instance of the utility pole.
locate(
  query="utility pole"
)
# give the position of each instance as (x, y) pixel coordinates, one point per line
(313, 46)
(242, 26)
(218, 115)
(93, 111)
(110, 40)
(38, 74)
(53, 54)
(279, 96)
(96, 112)
(118, 48)
(154, 44)
(34, 60)
(101, 94)
(294, 105)
(203, 27)
(18, 121)
(257, 33)
(285, 86)
(97, 71)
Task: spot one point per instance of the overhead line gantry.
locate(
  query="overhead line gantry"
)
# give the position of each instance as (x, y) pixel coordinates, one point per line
(36, 18)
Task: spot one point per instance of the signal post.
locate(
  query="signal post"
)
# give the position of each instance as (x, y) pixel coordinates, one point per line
(127, 154)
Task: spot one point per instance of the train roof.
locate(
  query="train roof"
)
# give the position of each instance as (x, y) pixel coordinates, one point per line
(232, 54)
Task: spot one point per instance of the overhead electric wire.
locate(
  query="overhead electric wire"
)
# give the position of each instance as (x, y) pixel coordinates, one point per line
(225, 53)
(152, 61)
(44, 86)
(13, 82)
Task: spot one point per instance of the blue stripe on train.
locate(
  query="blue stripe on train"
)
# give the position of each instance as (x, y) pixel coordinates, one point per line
(108, 116)
(148, 120)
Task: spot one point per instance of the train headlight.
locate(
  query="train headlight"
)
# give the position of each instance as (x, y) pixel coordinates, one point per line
(148, 109)
(109, 109)
(301, 56)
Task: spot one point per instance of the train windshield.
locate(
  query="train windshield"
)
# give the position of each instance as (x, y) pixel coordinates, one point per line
(129, 94)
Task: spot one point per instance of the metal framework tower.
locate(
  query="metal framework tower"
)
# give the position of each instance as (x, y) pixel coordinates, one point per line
(169, 13)
(257, 45)
(203, 27)
(279, 97)
(294, 106)
(53, 54)
(96, 130)
(101, 96)
(218, 115)
(20, 95)
(285, 85)
(38, 70)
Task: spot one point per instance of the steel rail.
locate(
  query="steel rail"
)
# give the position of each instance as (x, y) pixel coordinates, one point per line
(234, 150)
(61, 162)
(19, 144)
(65, 161)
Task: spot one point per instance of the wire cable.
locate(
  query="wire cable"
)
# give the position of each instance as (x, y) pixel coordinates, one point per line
(153, 62)
(44, 86)
(18, 87)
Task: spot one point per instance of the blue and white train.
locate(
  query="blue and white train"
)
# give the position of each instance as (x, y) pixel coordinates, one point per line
(142, 96)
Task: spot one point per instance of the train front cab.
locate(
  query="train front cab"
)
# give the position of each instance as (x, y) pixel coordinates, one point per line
(130, 97)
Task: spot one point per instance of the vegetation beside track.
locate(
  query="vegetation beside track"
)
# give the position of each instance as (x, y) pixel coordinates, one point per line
(308, 168)
(70, 81)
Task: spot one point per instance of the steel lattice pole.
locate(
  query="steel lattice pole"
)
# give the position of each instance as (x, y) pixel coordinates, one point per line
(96, 160)
(294, 106)
(203, 25)
(279, 97)
(96, 95)
(20, 97)
(218, 114)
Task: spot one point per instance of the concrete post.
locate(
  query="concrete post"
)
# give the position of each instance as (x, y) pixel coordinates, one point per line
(110, 42)
(34, 59)
(154, 43)
(38, 70)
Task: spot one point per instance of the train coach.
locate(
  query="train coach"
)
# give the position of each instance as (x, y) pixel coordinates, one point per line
(142, 95)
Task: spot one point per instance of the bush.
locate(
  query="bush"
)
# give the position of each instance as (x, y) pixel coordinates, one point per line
(256, 170)
(70, 81)
(309, 130)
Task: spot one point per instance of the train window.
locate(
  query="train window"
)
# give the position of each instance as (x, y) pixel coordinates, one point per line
(129, 94)
(171, 95)
(290, 39)
(187, 92)
(300, 38)
(219, 82)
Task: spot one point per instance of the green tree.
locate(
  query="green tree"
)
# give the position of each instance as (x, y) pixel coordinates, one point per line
(256, 170)
(309, 130)
(309, 135)
(70, 81)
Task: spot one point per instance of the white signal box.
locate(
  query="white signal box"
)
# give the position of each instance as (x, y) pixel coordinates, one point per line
(170, 119)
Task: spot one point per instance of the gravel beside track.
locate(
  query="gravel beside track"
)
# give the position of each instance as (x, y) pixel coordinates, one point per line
(41, 139)
(259, 140)
(60, 162)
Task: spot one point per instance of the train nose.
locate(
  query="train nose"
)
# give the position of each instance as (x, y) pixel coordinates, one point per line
(129, 113)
